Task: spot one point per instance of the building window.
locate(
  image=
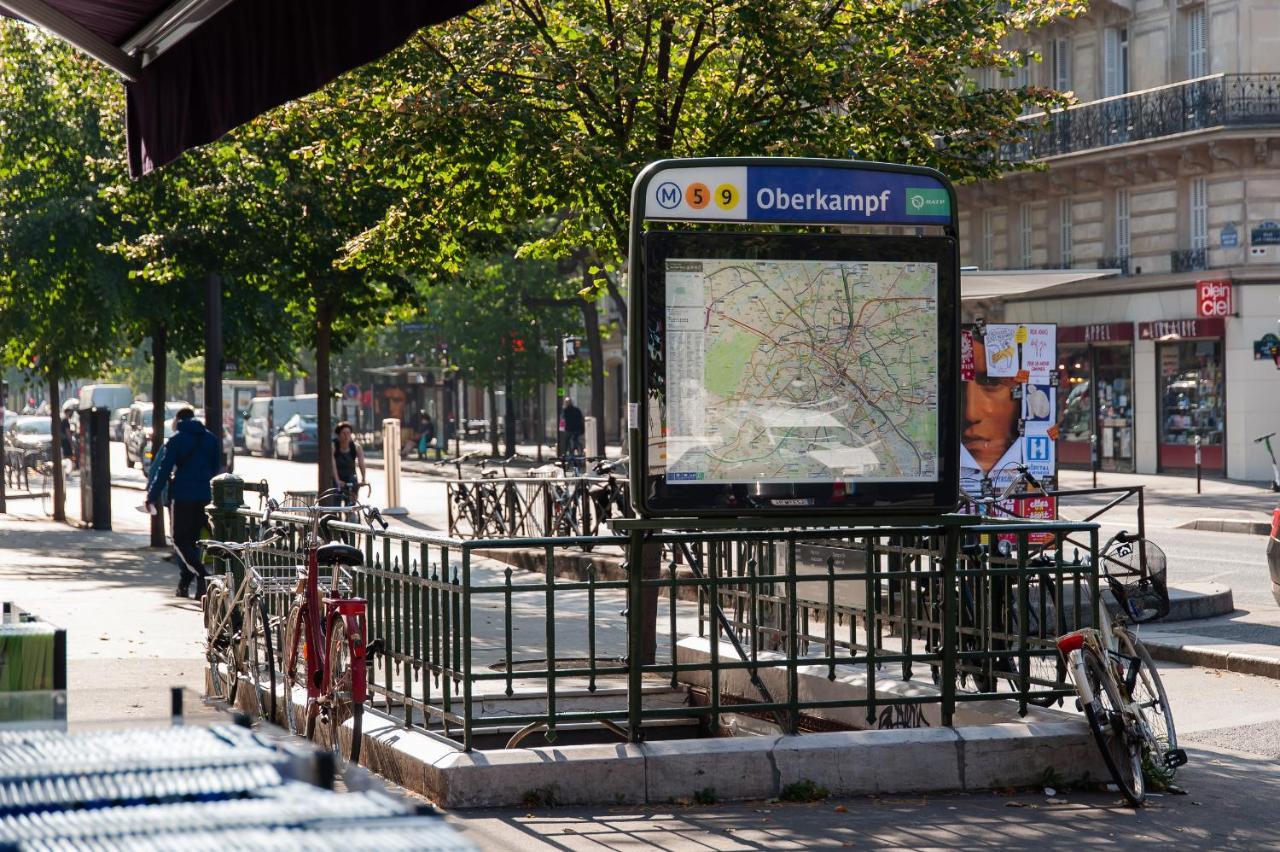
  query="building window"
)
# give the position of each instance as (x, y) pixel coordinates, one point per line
(1197, 44)
(1122, 223)
(1024, 243)
(1199, 214)
(1064, 235)
(1060, 56)
(1115, 61)
(986, 260)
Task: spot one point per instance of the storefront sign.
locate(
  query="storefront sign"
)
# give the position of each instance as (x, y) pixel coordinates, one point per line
(1229, 236)
(1267, 347)
(1213, 298)
(1100, 332)
(1172, 329)
(1266, 234)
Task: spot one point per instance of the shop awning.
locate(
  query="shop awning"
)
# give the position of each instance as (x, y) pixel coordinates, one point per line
(195, 69)
(979, 284)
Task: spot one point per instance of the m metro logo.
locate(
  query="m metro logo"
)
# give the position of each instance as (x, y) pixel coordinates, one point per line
(711, 193)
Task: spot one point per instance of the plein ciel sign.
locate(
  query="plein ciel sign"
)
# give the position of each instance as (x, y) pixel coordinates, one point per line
(780, 366)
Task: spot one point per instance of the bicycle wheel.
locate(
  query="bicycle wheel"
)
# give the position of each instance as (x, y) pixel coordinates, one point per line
(260, 659)
(220, 641)
(1152, 704)
(301, 721)
(1113, 730)
(1044, 671)
(339, 704)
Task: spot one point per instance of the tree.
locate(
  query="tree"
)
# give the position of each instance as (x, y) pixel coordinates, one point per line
(525, 108)
(60, 296)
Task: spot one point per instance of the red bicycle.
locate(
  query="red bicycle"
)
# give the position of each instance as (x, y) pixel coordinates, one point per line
(325, 645)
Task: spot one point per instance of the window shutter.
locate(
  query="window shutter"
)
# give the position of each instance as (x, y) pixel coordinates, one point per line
(1025, 242)
(1122, 222)
(1062, 64)
(1197, 44)
(1199, 213)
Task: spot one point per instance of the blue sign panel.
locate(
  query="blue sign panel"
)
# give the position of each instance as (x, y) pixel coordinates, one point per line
(799, 194)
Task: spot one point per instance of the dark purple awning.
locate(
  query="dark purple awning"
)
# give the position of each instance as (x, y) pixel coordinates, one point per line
(195, 69)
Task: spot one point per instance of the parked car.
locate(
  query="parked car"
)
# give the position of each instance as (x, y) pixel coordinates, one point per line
(299, 438)
(118, 419)
(31, 434)
(137, 431)
(266, 414)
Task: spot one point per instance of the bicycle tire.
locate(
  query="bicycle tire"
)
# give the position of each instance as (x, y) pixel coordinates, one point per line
(1120, 747)
(260, 648)
(220, 654)
(1042, 667)
(1153, 703)
(340, 704)
(293, 674)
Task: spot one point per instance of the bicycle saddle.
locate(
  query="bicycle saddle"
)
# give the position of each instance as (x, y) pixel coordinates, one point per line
(337, 553)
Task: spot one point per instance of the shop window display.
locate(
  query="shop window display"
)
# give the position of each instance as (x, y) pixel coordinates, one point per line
(1192, 403)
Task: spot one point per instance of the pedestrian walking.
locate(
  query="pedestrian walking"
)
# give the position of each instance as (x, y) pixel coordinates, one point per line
(190, 459)
(347, 456)
(574, 428)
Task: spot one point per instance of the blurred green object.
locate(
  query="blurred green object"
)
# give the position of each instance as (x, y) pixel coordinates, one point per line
(33, 668)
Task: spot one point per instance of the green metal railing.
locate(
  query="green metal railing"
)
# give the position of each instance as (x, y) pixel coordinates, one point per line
(457, 633)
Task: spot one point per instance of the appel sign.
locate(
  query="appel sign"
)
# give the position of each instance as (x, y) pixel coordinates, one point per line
(1213, 298)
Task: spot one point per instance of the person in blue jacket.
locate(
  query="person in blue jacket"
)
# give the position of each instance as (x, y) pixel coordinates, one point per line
(193, 458)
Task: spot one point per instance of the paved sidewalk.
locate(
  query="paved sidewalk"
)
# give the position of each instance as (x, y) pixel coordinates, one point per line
(128, 637)
(1172, 501)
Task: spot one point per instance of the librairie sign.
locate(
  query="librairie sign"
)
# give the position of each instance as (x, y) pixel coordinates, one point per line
(779, 366)
(801, 194)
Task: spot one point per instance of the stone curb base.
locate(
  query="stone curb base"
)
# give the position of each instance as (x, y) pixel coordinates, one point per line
(1230, 525)
(845, 763)
(1210, 653)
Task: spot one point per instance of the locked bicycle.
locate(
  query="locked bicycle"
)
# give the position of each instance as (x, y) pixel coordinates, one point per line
(1121, 693)
(325, 649)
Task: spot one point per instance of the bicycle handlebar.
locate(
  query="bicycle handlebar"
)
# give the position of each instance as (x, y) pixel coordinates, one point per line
(1264, 437)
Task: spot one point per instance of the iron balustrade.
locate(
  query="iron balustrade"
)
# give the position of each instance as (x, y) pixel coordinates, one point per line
(1189, 260)
(453, 633)
(1120, 262)
(1222, 100)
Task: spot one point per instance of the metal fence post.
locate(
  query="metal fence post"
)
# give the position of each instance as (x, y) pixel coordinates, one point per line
(635, 632)
(224, 514)
(950, 600)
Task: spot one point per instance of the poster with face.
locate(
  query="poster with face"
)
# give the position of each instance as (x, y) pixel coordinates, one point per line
(989, 423)
(1001, 351)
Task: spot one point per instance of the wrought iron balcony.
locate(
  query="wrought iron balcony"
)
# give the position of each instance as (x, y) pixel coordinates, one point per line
(1223, 100)
(1121, 262)
(1189, 260)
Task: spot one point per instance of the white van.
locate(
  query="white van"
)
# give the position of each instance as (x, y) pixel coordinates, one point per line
(109, 397)
(267, 414)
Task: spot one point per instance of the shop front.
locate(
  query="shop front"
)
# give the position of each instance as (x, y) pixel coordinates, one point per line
(1095, 395)
(1190, 392)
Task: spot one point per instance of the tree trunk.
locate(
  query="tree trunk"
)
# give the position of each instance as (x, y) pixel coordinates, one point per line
(159, 390)
(591, 319)
(59, 487)
(324, 424)
(493, 422)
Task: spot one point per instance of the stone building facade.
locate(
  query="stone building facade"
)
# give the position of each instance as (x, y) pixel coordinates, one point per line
(1168, 169)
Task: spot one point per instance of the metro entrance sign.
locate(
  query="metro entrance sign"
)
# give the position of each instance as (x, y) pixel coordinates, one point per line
(784, 366)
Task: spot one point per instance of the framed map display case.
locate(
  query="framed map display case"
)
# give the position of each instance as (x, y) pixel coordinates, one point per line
(794, 370)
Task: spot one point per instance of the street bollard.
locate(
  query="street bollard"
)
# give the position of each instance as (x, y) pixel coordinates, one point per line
(391, 466)
(1093, 456)
(1197, 464)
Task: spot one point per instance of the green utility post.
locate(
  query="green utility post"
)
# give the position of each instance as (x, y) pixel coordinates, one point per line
(224, 512)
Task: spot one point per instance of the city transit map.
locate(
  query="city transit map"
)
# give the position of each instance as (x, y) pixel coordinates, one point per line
(801, 371)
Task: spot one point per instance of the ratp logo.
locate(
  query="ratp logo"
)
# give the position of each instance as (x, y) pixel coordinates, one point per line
(669, 195)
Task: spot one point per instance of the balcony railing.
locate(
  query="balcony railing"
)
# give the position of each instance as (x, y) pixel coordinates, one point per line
(1120, 262)
(1189, 260)
(1223, 100)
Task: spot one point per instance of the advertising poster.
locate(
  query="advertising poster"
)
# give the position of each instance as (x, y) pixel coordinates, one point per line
(1038, 405)
(966, 355)
(1040, 508)
(1001, 351)
(1039, 353)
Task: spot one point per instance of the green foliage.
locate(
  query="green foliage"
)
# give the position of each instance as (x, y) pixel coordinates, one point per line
(803, 791)
(525, 111)
(705, 796)
(60, 134)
